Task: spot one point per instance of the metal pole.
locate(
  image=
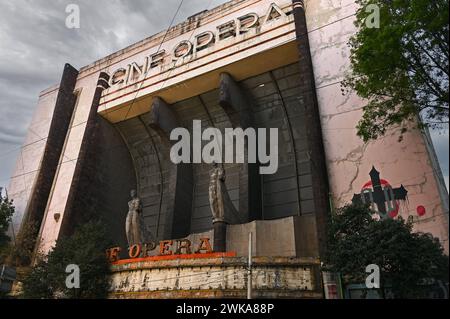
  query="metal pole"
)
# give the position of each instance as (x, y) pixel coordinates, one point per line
(249, 271)
(1, 274)
(341, 288)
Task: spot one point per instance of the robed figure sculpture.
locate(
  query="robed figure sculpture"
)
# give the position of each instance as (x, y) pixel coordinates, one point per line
(216, 188)
(222, 207)
(135, 226)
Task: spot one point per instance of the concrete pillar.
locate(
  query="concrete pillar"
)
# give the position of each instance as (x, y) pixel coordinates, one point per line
(220, 236)
(178, 200)
(313, 126)
(62, 114)
(85, 166)
(236, 105)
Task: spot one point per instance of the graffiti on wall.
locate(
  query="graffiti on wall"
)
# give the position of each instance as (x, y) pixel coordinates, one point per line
(381, 195)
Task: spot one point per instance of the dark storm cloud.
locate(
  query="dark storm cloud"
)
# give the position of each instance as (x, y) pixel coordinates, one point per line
(35, 44)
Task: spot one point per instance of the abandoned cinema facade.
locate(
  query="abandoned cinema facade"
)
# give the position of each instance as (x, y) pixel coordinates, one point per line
(245, 64)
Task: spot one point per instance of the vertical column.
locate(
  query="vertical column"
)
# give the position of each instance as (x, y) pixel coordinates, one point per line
(313, 126)
(85, 165)
(64, 107)
(235, 104)
(178, 200)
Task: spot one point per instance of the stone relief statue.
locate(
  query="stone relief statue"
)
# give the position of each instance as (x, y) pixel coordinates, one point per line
(216, 184)
(222, 208)
(134, 226)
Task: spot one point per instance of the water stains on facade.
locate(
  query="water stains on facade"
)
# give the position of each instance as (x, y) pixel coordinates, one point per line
(247, 63)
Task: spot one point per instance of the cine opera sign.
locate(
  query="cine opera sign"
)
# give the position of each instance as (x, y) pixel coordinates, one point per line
(186, 48)
(166, 248)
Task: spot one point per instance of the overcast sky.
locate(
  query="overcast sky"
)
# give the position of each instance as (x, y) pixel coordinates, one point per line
(35, 44)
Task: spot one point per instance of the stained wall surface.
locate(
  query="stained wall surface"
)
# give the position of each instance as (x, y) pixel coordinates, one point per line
(28, 163)
(272, 87)
(349, 159)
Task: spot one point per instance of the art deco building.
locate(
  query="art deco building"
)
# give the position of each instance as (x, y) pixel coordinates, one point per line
(249, 64)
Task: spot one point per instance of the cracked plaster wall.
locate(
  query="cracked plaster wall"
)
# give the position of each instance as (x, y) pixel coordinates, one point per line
(349, 159)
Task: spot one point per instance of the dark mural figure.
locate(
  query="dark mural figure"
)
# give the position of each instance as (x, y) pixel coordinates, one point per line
(381, 196)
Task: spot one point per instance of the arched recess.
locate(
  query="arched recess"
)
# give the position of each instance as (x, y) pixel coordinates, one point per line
(236, 104)
(206, 109)
(164, 187)
(277, 103)
(115, 177)
(175, 197)
(177, 200)
(149, 173)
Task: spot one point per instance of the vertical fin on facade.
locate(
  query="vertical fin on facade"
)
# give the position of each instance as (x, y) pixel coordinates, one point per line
(313, 126)
(62, 114)
(236, 105)
(178, 199)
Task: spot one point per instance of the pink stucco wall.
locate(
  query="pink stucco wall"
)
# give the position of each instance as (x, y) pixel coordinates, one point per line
(349, 159)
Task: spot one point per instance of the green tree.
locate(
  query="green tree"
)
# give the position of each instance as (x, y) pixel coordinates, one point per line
(406, 258)
(20, 254)
(401, 68)
(6, 213)
(86, 249)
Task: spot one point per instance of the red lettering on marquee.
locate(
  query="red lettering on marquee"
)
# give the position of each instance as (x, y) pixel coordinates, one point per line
(164, 247)
(205, 245)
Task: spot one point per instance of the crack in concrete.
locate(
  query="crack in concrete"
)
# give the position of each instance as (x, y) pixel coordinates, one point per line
(354, 156)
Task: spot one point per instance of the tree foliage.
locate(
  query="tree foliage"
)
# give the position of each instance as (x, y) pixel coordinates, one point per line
(85, 248)
(405, 258)
(401, 68)
(21, 253)
(6, 213)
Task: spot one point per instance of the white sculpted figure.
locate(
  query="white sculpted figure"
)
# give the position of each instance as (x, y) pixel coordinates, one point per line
(135, 227)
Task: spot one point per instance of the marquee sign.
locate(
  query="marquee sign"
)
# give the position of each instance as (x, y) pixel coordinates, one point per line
(165, 248)
(185, 49)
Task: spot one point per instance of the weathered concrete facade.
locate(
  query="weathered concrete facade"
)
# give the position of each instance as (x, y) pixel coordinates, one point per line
(216, 278)
(272, 90)
(262, 74)
(349, 160)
